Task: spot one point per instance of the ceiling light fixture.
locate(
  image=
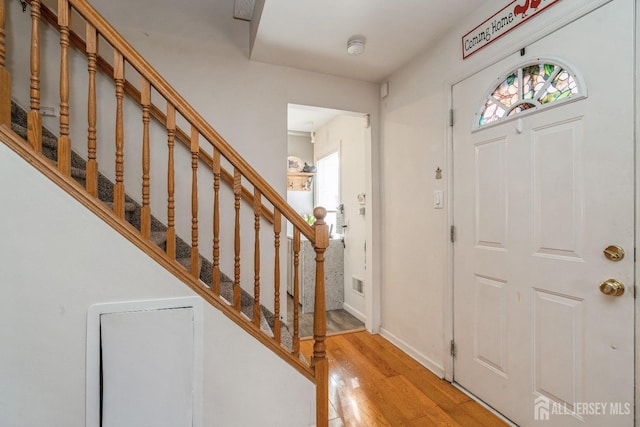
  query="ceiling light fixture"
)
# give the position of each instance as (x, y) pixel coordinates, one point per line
(355, 45)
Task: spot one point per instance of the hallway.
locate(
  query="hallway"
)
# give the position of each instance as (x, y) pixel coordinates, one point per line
(372, 383)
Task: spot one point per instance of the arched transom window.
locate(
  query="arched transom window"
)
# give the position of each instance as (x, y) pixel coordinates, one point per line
(531, 87)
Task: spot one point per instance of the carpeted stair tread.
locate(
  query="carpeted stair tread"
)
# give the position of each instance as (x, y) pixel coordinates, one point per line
(226, 292)
(185, 262)
(47, 141)
(19, 129)
(76, 173)
(264, 325)
(246, 307)
(51, 143)
(128, 206)
(158, 237)
(246, 303)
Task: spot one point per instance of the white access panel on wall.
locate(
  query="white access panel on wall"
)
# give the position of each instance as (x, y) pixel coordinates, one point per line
(147, 368)
(147, 360)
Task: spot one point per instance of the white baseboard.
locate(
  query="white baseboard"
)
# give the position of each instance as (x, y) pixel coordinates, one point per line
(434, 367)
(355, 313)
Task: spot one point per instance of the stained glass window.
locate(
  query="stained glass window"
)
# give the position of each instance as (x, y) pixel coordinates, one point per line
(531, 87)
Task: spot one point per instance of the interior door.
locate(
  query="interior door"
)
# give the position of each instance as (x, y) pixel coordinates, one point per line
(537, 198)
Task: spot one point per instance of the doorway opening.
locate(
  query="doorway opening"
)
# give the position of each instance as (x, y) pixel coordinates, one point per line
(326, 149)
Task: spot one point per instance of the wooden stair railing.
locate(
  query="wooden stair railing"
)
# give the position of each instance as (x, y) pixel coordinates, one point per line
(200, 132)
(102, 64)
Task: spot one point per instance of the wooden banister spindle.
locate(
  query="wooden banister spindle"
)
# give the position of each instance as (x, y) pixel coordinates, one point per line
(296, 291)
(145, 213)
(216, 222)
(64, 143)
(118, 190)
(237, 190)
(34, 117)
(171, 184)
(319, 359)
(92, 164)
(277, 229)
(195, 253)
(5, 77)
(257, 213)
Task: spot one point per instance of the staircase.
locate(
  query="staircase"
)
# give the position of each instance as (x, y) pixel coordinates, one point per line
(158, 233)
(80, 175)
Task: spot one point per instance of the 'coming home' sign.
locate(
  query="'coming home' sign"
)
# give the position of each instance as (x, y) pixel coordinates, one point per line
(500, 23)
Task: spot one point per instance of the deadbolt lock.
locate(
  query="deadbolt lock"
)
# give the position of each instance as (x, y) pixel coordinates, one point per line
(612, 288)
(613, 253)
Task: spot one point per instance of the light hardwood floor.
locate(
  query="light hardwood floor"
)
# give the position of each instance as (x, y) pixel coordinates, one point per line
(372, 383)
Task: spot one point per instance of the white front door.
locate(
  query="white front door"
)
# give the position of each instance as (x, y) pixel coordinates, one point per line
(537, 198)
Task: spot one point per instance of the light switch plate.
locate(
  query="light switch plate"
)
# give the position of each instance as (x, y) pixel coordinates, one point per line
(438, 199)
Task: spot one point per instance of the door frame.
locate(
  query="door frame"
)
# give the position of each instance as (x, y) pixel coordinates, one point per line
(636, 132)
(531, 35)
(373, 228)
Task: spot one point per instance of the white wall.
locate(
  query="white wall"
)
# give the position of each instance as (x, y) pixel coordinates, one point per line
(348, 135)
(415, 294)
(300, 146)
(57, 260)
(354, 140)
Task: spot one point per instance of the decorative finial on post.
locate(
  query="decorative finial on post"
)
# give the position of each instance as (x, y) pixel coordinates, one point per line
(320, 213)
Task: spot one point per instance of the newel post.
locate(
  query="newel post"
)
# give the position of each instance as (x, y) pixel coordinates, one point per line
(5, 77)
(319, 360)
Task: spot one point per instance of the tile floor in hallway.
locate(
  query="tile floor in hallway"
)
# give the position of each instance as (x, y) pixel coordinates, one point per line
(337, 321)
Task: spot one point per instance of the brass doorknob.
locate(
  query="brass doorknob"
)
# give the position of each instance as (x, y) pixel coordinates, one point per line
(612, 288)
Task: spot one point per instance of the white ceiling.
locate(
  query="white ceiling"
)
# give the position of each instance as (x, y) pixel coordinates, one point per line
(313, 34)
(304, 34)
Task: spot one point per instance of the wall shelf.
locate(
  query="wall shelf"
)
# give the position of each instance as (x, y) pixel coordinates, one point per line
(299, 181)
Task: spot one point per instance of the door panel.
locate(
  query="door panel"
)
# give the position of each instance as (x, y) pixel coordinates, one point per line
(536, 199)
(557, 190)
(558, 332)
(491, 190)
(491, 324)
